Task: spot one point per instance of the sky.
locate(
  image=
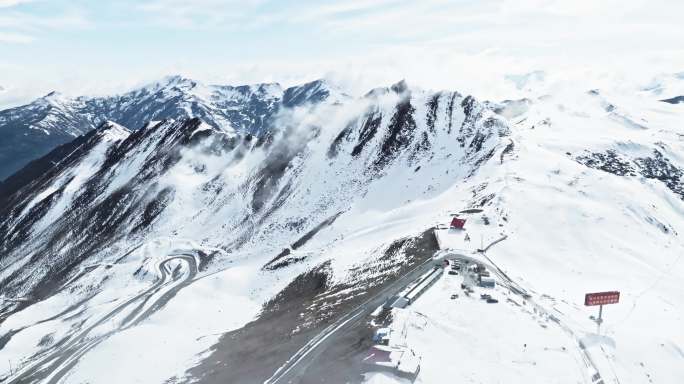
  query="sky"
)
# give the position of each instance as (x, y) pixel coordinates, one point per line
(102, 47)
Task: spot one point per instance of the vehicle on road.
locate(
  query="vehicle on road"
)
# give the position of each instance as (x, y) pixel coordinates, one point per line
(487, 282)
(596, 379)
(382, 336)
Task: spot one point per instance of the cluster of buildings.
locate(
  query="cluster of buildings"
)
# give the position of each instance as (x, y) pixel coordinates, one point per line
(388, 352)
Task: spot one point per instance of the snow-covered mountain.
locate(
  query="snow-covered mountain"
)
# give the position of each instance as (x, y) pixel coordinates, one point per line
(32, 130)
(183, 251)
(78, 220)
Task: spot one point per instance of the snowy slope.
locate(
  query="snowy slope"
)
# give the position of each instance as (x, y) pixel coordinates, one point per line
(166, 238)
(32, 130)
(589, 196)
(91, 234)
(613, 230)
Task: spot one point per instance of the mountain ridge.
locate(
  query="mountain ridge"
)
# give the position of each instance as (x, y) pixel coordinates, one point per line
(123, 237)
(33, 129)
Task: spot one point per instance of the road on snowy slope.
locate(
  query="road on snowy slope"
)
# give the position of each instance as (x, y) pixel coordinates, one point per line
(51, 365)
(595, 376)
(296, 366)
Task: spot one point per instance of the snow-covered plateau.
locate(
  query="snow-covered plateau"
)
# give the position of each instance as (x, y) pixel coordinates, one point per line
(256, 234)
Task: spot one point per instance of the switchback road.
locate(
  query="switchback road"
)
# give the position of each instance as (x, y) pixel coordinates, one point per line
(51, 365)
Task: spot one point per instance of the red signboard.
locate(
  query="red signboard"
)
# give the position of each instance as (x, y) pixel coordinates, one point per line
(602, 298)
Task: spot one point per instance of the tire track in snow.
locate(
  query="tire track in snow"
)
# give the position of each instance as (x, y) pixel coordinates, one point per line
(595, 377)
(53, 365)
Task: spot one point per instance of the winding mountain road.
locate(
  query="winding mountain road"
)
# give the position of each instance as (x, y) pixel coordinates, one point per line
(50, 366)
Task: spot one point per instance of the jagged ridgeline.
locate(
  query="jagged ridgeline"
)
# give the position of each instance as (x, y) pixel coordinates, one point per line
(135, 211)
(32, 130)
(200, 178)
(217, 234)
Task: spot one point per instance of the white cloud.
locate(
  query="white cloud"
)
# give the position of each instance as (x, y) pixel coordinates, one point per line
(21, 27)
(464, 45)
(199, 13)
(15, 38)
(29, 22)
(12, 3)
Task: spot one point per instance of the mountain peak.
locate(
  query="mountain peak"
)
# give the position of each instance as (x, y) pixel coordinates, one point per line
(178, 80)
(171, 82)
(113, 130)
(399, 87)
(54, 95)
(313, 92)
(53, 98)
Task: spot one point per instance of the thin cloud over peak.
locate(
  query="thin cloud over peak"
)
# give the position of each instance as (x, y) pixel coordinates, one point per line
(437, 43)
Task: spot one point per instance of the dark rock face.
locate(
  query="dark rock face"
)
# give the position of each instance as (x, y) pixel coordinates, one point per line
(507, 151)
(333, 150)
(472, 111)
(609, 162)
(37, 168)
(268, 177)
(23, 139)
(368, 131)
(31, 131)
(313, 92)
(433, 105)
(660, 168)
(103, 209)
(93, 221)
(79, 213)
(657, 167)
(450, 110)
(674, 100)
(399, 134)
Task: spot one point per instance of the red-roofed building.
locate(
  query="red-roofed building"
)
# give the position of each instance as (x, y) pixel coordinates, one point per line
(457, 223)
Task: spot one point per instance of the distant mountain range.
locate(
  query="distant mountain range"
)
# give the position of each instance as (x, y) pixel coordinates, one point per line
(32, 130)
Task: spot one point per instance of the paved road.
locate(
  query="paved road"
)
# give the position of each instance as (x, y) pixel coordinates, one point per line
(52, 365)
(297, 365)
